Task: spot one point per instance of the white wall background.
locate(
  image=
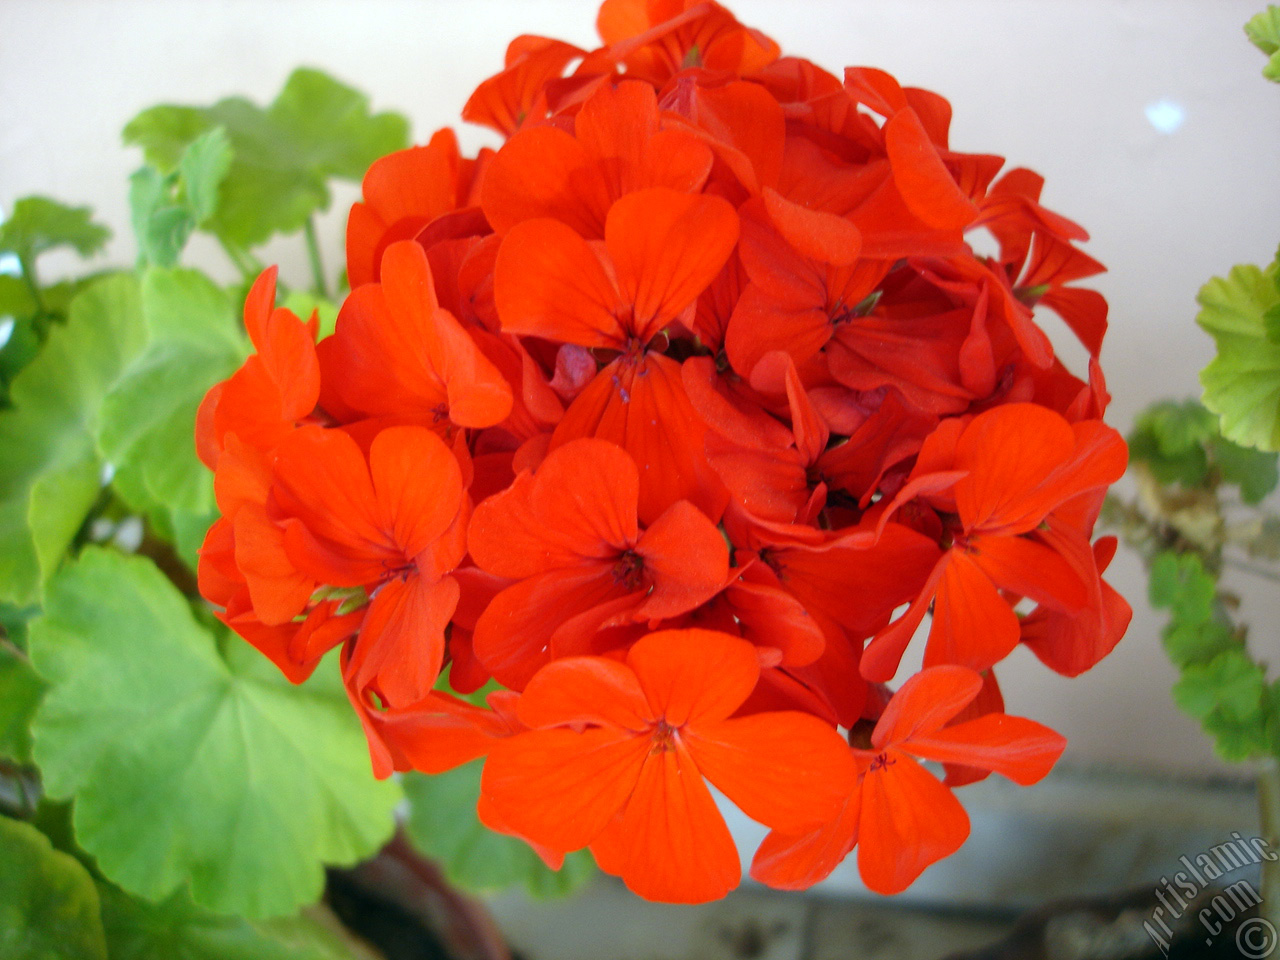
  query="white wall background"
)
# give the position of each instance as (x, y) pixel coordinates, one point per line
(1062, 87)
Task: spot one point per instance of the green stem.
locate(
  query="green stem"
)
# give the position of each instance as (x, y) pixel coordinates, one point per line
(1269, 821)
(245, 262)
(319, 287)
(28, 268)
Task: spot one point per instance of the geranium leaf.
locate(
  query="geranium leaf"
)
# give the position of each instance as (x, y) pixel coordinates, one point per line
(443, 824)
(49, 476)
(37, 224)
(20, 691)
(147, 420)
(1242, 383)
(161, 225)
(316, 129)
(203, 167)
(1230, 685)
(1169, 438)
(179, 930)
(1264, 32)
(48, 903)
(189, 765)
(1254, 471)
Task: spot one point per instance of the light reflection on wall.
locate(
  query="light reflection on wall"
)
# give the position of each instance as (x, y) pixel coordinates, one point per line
(1165, 115)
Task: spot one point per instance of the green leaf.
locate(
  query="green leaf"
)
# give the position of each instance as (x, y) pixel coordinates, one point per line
(37, 224)
(179, 930)
(1169, 437)
(316, 129)
(1271, 323)
(160, 225)
(1242, 383)
(165, 132)
(48, 903)
(1263, 31)
(443, 824)
(189, 765)
(1254, 471)
(13, 620)
(1179, 582)
(304, 302)
(165, 208)
(17, 304)
(203, 167)
(1197, 631)
(20, 691)
(50, 474)
(147, 423)
(1230, 685)
(1196, 642)
(1239, 740)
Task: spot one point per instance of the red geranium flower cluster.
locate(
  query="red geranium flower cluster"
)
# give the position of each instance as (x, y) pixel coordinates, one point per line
(670, 420)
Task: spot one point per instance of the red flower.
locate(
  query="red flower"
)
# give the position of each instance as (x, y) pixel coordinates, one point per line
(1012, 466)
(705, 342)
(617, 753)
(569, 536)
(898, 815)
(391, 522)
(403, 192)
(661, 250)
(397, 354)
(658, 38)
(277, 387)
(618, 146)
(506, 101)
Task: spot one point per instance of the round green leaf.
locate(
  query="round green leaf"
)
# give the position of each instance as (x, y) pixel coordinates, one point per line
(20, 691)
(37, 224)
(48, 903)
(188, 765)
(283, 155)
(179, 930)
(1242, 383)
(50, 474)
(147, 421)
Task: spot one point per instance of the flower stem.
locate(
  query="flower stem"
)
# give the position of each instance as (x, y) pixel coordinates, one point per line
(1269, 821)
(317, 265)
(244, 261)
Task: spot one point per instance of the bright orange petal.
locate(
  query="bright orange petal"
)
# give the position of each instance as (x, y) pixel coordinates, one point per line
(923, 179)
(580, 505)
(279, 590)
(667, 247)
(925, 703)
(418, 485)
(513, 636)
(694, 675)
(909, 820)
(549, 283)
(560, 788)
(640, 404)
(973, 625)
(1021, 749)
(678, 849)
(796, 861)
(585, 690)
(687, 558)
(787, 770)
(400, 648)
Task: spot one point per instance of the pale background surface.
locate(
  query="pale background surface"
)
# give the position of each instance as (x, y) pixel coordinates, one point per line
(1062, 87)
